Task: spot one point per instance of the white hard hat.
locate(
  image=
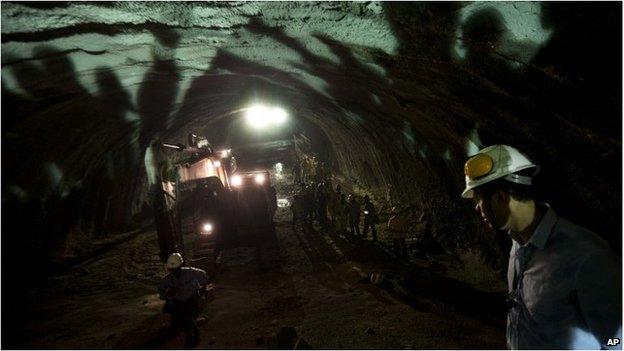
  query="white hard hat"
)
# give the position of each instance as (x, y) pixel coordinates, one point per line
(494, 162)
(174, 261)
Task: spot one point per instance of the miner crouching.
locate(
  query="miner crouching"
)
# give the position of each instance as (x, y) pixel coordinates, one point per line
(181, 289)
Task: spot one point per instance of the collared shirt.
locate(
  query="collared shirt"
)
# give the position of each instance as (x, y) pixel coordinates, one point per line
(184, 286)
(567, 285)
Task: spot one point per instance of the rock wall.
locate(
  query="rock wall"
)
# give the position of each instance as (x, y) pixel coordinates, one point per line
(403, 92)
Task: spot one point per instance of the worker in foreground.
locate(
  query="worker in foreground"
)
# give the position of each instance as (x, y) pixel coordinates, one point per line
(181, 290)
(564, 280)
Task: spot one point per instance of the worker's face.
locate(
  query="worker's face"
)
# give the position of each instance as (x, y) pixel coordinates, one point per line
(493, 208)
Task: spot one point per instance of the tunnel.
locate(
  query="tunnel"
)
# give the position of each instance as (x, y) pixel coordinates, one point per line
(391, 99)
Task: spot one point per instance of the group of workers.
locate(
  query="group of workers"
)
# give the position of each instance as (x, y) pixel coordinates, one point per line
(309, 170)
(334, 208)
(318, 201)
(564, 281)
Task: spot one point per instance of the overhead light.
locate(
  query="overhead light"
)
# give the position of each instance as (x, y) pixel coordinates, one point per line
(260, 116)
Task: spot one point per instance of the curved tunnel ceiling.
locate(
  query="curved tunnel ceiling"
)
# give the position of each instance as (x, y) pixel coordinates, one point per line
(405, 91)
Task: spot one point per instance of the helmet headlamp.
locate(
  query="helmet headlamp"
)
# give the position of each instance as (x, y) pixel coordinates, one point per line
(478, 166)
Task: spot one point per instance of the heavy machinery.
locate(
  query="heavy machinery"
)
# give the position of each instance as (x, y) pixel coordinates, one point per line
(199, 190)
(190, 193)
(255, 201)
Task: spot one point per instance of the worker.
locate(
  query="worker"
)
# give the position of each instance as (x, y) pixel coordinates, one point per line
(322, 172)
(564, 280)
(390, 195)
(321, 204)
(331, 200)
(370, 218)
(397, 226)
(298, 210)
(335, 206)
(318, 172)
(308, 203)
(331, 204)
(313, 169)
(181, 290)
(425, 245)
(304, 169)
(296, 172)
(341, 215)
(354, 217)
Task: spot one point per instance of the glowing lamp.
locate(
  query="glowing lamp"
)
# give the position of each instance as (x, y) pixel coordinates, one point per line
(207, 228)
(259, 116)
(237, 180)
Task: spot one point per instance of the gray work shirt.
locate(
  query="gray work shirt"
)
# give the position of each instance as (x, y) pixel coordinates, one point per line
(186, 285)
(567, 284)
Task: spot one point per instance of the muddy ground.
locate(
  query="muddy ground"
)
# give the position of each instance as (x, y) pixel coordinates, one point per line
(297, 288)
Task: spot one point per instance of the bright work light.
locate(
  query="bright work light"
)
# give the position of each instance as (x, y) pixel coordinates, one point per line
(237, 180)
(259, 178)
(207, 228)
(259, 116)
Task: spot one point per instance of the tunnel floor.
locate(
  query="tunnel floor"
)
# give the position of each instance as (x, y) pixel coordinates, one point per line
(302, 288)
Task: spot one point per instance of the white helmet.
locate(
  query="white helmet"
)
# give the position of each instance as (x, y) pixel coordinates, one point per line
(174, 261)
(494, 162)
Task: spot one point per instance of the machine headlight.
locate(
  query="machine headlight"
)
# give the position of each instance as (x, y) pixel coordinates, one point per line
(237, 180)
(365, 212)
(207, 228)
(217, 164)
(259, 178)
(224, 153)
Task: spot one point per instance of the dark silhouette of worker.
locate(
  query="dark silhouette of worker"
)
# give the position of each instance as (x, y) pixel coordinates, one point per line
(398, 227)
(308, 200)
(334, 204)
(321, 204)
(296, 171)
(341, 215)
(370, 218)
(483, 33)
(354, 217)
(181, 290)
(298, 210)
